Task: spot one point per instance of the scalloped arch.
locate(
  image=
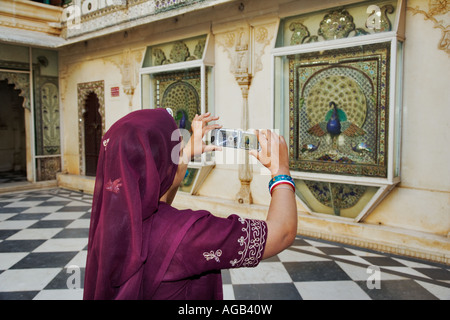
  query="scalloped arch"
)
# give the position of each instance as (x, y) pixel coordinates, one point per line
(21, 82)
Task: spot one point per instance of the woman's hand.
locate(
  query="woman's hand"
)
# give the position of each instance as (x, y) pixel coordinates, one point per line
(196, 146)
(282, 216)
(274, 152)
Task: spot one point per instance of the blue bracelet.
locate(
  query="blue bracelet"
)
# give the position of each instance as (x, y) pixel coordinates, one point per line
(281, 179)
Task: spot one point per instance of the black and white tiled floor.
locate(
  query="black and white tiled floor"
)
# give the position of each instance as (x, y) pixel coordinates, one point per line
(43, 239)
(13, 176)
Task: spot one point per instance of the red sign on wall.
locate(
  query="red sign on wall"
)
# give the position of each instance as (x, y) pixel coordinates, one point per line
(115, 91)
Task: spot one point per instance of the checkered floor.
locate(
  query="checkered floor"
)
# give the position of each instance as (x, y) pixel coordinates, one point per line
(43, 239)
(13, 176)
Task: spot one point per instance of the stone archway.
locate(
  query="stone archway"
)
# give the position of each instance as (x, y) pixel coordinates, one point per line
(21, 81)
(12, 134)
(84, 89)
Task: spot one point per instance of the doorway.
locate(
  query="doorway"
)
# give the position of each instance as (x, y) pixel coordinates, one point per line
(13, 166)
(92, 133)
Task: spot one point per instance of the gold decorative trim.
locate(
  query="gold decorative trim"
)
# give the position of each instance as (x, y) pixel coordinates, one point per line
(437, 8)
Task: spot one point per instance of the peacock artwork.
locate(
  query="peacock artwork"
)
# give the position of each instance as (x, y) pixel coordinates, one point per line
(179, 91)
(339, 109)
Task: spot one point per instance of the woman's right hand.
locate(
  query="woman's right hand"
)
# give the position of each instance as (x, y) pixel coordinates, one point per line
(274, 152)
(281, 218)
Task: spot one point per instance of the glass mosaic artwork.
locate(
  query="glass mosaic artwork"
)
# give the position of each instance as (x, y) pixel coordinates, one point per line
(339, 106)
(181, 92)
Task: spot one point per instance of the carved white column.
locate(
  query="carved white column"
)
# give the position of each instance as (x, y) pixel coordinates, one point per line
(244, 195)
(245, 46)
(243, 74)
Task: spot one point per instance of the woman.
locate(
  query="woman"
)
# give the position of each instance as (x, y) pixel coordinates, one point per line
(140, 247)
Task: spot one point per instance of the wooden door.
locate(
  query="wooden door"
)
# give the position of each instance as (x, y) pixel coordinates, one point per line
(92, 133)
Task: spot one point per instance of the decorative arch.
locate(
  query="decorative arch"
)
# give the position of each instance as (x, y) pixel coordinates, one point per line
(98, 87)
(21, 82)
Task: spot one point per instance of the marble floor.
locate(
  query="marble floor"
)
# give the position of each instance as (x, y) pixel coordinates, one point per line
(43, 239)
(12, 176)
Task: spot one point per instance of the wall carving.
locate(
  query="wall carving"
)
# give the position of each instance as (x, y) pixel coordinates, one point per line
(47, 120)
(128, 63)
(46, 168)
(437, 13)
(245, 47)
(46, 106)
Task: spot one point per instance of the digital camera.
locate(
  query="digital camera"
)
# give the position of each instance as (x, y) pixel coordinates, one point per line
(232, 138)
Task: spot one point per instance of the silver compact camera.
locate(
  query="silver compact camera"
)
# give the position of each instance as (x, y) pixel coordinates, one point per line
(232, 138)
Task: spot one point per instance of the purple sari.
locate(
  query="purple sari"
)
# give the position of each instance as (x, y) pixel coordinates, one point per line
(141, 248)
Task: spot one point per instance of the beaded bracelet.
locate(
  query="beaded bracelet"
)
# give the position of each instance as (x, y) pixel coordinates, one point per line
(281, 179)
(281, 187)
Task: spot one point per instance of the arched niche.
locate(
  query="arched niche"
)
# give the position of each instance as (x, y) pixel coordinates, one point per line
(21, 81)
(84, 89)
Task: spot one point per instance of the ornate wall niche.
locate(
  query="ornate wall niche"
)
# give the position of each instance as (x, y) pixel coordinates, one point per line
(338, 82)
(83, 89)
(180, 91)
(178, 76)
(350, 85)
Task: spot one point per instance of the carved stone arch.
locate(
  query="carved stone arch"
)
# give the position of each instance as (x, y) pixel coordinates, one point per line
(84, 89)
(21, 82)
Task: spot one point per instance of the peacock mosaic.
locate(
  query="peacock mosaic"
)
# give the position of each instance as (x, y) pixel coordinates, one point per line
(180, 91)
(339, 109)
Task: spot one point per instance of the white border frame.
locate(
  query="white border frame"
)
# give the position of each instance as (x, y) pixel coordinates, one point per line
(207, 60)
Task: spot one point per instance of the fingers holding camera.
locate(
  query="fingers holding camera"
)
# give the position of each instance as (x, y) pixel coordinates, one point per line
(196, 146)
(205, 119)
(274, 152)
(201, 121)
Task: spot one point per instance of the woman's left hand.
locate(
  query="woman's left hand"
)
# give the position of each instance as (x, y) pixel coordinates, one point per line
(196, 146)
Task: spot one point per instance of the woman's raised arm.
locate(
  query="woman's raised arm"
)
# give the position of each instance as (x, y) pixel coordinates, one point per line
(282, 216)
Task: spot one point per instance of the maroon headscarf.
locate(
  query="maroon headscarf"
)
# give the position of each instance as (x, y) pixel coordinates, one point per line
(135, 169)
(141, 248)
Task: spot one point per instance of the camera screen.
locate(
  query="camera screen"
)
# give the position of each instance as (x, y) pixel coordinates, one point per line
(231, 138)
